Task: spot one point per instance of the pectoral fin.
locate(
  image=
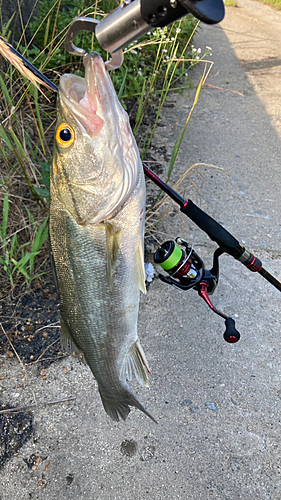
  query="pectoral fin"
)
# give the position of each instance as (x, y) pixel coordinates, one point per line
(113, 238)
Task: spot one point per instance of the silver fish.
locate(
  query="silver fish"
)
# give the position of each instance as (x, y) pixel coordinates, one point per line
(97, 215)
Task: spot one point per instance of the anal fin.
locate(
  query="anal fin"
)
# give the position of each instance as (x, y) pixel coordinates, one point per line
(136, 364)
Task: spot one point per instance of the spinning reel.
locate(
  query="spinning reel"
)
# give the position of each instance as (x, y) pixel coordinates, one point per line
(186, 270)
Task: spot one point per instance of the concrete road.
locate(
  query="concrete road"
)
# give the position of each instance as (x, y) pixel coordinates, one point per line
(218, 405)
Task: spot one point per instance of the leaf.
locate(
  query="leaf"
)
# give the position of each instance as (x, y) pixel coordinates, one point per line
(39, 241)
(174, 154)
(6, 27)
(5, 217)
(40, 237)
(5, 137)
(31, 218)
(43, 192)
(13, 245)
(5, 91)
(21, 264)
(18, 144)
(24, 245)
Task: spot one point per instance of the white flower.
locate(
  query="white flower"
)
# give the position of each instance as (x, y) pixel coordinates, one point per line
(164, 50)
(172, 38)
(208, 48)
(133, 51)
(167, 57)
(140, 72)
(178, 30)
(198, 51)
(154, 34)
(149, 33)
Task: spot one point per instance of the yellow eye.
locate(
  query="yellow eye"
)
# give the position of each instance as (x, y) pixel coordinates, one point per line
(65, 135)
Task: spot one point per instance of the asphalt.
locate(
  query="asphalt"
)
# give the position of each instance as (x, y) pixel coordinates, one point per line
(217, 405)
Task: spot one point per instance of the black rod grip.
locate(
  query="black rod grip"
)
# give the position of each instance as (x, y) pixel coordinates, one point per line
(213, 229)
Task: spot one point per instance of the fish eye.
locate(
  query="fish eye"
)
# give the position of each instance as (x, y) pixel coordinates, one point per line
(65, 135)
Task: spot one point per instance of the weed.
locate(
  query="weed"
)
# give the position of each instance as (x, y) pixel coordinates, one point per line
(16, 257)
(231, 3)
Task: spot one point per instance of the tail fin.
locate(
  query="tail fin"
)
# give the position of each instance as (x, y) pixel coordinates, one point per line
(117, 408)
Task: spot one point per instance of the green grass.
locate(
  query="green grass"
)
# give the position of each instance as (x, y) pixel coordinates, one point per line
(18, 259)
(231, 3)
(276, 4)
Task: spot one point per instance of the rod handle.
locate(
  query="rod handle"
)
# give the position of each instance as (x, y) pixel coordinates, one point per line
(213, 229)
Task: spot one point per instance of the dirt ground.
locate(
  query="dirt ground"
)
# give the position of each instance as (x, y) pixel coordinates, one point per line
(217, 405)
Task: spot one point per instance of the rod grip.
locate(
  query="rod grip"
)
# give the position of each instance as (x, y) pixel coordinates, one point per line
(213, 229)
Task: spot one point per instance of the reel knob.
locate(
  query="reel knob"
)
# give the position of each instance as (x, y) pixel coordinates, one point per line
(231, 335)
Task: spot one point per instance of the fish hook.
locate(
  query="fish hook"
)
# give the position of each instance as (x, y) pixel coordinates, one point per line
(89, 24)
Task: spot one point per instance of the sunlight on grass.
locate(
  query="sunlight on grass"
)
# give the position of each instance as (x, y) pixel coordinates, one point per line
(276, 4)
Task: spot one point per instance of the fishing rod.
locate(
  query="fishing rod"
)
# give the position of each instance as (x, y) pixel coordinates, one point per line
(186, 269)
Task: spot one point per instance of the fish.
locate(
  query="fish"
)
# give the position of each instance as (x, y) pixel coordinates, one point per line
(97, 217)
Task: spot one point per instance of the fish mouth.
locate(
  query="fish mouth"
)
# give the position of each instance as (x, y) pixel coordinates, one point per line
(89, 99)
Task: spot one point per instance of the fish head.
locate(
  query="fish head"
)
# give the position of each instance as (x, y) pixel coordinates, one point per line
(96, 162)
